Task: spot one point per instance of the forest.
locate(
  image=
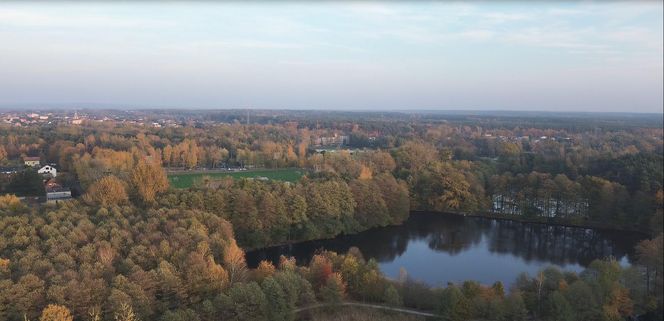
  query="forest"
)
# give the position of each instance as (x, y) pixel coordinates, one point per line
(131, 247)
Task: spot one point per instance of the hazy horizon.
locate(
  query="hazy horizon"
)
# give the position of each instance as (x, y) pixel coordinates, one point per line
(129, 107)
(368, 56)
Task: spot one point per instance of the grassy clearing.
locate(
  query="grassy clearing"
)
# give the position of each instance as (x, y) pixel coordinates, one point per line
(186, 180)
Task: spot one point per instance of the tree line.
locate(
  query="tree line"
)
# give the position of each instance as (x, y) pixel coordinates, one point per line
(272, 212)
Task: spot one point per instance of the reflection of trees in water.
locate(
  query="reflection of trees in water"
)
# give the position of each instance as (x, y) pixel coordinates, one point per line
(532, 242)
(382, 244)
(555, 244)
(455, 234)
(539, 242)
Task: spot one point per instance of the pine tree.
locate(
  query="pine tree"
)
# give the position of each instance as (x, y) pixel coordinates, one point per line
(278, 307)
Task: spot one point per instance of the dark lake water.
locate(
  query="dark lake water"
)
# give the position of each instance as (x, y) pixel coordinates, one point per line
(440, 248)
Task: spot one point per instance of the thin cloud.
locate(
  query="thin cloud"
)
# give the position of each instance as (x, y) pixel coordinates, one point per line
(33, 19)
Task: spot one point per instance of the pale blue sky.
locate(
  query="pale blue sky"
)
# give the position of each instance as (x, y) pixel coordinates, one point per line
(554, 56)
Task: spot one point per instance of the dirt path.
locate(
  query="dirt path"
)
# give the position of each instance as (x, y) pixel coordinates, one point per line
(366, 305)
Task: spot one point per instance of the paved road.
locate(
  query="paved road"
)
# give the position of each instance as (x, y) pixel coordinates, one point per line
(365, 305)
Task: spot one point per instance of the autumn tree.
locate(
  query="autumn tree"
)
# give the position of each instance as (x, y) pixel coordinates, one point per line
(414, 156)
(148, 179)
(302, 153)
(9, 201)
(167, 155)
(191, 155)
(108, 191)
(90, 168)
(365, 173)
(381, 162)
(125, 313)
(264, 270)
(370, 210)
(3, 154)
(4, 268)
(334, 290)
(320, 269)
(54, 312)
(235, 263)
(441, 186)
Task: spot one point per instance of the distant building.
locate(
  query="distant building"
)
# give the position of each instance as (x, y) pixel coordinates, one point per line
(31, 161)
(331, 140)
(9, 170)
(336, 150)
(48, 170)
(77, 120)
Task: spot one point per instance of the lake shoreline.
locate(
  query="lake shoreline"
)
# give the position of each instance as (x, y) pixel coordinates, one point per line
(544, 221)
(502, 217)
(469, 247)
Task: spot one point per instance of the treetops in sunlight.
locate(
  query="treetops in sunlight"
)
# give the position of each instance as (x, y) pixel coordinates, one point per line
(177, 264)
(133, 248)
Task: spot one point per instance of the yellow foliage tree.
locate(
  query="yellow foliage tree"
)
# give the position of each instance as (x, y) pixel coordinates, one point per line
(265, 269)
(191, 159)
(167, 155)
(3, 154)
(54, 312)
(149, 179)
(108, 191)
(620, 305)
(302, 153)
(235, 263)
(9, 201)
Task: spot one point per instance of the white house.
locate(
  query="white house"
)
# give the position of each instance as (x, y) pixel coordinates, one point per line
(48, 169)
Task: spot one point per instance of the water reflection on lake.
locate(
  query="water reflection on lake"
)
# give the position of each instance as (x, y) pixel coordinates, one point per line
(440, 248)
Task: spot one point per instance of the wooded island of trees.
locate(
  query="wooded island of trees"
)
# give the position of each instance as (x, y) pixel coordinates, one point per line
(129, 246)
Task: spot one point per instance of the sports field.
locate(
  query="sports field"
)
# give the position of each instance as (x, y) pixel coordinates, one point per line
(186, 180)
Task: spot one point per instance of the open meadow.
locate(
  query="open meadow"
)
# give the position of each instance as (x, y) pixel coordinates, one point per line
(188, 179)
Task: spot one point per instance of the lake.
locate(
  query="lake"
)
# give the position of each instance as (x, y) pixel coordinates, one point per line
(439, 248)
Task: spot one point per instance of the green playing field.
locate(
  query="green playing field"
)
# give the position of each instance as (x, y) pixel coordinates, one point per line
(186, 180)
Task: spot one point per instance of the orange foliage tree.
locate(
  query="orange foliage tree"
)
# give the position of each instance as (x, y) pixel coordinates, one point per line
(55, 312)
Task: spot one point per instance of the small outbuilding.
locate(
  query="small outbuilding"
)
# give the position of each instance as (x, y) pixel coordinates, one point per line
(55, 193)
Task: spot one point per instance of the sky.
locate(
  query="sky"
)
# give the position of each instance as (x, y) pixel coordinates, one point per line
(500, 55)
